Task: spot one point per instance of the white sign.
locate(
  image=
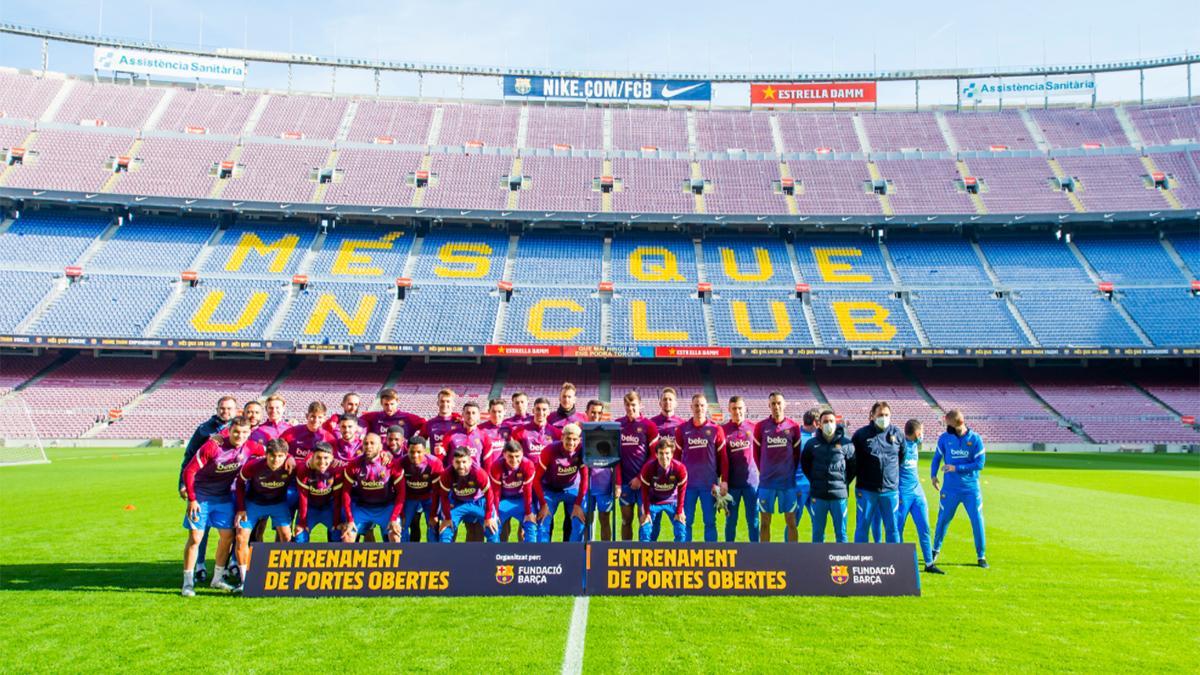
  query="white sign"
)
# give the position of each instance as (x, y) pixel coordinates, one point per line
(182, 66)
(991, 88)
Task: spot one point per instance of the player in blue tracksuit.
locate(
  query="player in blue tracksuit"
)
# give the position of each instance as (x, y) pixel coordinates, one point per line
(878, 452)
(912, 495)
(961, 452)
(803, 487)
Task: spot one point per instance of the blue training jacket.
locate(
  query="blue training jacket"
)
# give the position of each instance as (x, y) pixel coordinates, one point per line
(965, 453)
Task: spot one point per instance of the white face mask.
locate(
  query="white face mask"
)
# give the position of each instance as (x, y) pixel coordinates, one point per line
(882, 421)
(828, 428)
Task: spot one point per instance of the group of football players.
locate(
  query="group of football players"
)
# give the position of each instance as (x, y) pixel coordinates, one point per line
(355, 471)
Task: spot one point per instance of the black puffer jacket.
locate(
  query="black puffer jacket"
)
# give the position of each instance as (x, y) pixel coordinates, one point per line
(829, 465)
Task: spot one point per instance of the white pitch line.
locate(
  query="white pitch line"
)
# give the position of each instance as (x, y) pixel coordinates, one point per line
(573, 656)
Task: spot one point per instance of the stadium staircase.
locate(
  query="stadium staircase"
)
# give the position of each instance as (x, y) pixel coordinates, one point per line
(158, 382)
(160, 109)
(419, 193)
(310, 256)
(1058, 417)
(1151, 169)
(606, 170)
(607, 138)
(885, 204)
(56, 291)
(523, 127)
(510, 263)
(347, 122)
(697, 174)
(1146, 392)
(499, 381)
(435, 128)
(1060, 174)
(976, 198)
(784, 171)
(111, 182)
(234, 155)
(909, 311)
(909, 375)
(514, 196)
(1095, 277)
(202, 256)
(57, 102)
(710, 325)
(320, 189)
(947, 133)
(288, 368)
(260, 106)
(1131, 132)
(1035, 132)
(1172, 253)
(860, 130)
(27, 142)
(38, 376)
(606, 303)
(815, 387)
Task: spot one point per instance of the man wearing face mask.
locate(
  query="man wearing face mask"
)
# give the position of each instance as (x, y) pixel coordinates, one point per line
(912, 495)
(961, 450)
(878, 452)
(874, 526)
(828, 463)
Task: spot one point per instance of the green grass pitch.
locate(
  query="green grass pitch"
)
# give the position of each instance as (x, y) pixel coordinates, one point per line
(1094, 568)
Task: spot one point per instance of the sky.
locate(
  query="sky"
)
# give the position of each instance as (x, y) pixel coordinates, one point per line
(700, 36)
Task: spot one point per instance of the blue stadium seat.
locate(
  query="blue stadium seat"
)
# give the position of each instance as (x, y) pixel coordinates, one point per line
(443, 314)
(966, 319)
(1074, 318)
(1124, 259)
(559, 259)
(665, 260)
(51, 239)
(744, 256)
(558, 324)
(1033, 262)
(22, 291)
(867, 319)
(374, 300)
(464, 256)
(105, 306)
(672, 317)
(233, 314)
(362, 253)
(1187, 244)
(235, 253)
(153, 243)
(841, 262)
(761, 324)
(1169, 316)
(937, 261)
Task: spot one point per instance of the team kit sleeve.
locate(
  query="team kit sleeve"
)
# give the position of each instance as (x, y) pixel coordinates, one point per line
(205, 453)
(302, 496)
(239, 484)
(401, 487)
(722, 456)
(681, 491)
(938, 456)
(581, 498)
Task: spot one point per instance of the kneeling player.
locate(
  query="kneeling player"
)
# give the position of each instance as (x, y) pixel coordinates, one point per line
(319, 485)
(368, 493)
(664, 485)
(563, 479)
(512, 479)
(208, 481)
(262, 494)
(465, 495)
(420, 472)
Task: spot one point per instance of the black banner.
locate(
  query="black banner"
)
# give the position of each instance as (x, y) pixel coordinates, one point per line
(389, 569)
(752, 569)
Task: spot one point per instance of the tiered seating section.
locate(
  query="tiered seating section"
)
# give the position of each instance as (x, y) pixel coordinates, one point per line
(910, 290)
(279, 143)
(64, 396)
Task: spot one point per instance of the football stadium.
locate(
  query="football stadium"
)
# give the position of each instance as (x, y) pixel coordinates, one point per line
(682, 368)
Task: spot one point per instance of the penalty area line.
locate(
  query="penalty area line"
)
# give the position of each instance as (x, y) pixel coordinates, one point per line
(573, 655)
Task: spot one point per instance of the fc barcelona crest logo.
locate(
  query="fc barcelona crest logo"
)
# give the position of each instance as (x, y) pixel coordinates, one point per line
(839, 573)
(504, 574)
(523, 85)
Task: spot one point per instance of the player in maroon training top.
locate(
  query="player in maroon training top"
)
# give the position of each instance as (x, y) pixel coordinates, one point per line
(664, 488)
(563, 479)
(466, 497)
(368, 492)
(351, 403)
(276, 422)
(208, 480)
(566, 413)
(743, 471)
(495, 425)
(390, 415)
(261, 490)
(349, 442)
(319, 483)
(437, 427)
(700, 445)
(666, 420)
(538, 434)
(467, 433)
(639, 437)
(777, 454)
(419, 470)
(302, 438)
(512, 477)
(521, 415)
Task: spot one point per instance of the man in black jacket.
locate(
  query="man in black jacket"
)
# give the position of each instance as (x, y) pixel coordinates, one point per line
(828, 462)
(226, 411)
(878, 452)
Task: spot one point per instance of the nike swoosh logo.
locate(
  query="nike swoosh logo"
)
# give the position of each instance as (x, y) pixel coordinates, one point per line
(668, 92)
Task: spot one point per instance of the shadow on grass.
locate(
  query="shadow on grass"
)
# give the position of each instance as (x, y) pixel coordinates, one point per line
(120, 577)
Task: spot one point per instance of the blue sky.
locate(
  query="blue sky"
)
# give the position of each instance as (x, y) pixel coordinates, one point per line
(623, 34)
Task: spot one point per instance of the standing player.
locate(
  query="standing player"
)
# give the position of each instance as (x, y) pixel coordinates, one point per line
(302, 438)
(208, 480)
(390, 415)
(565, 413)
(512, 477)
(538, 433)
(275, 423)
(494, 424)
(700, 445)
(395, 442)
(777, 453)
(666, 420)
(878, 452)
(319, 485)
(521, 415)
(437, 427)
(808, 428)
(253, 411)
(420, 471)
(261, 489)
(664, 488)
(639, 437)
(912, 496)
(743, 472)
(601, 484)
(828, 462)
(368, 492)
(466, 433)
(562, 479)
(961, 449)
(875, 523)
(465, 496)
(349, 442)
(226, 409)
(351, 402)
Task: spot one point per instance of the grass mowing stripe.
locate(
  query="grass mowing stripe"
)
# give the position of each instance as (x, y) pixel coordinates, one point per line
(576, 637)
